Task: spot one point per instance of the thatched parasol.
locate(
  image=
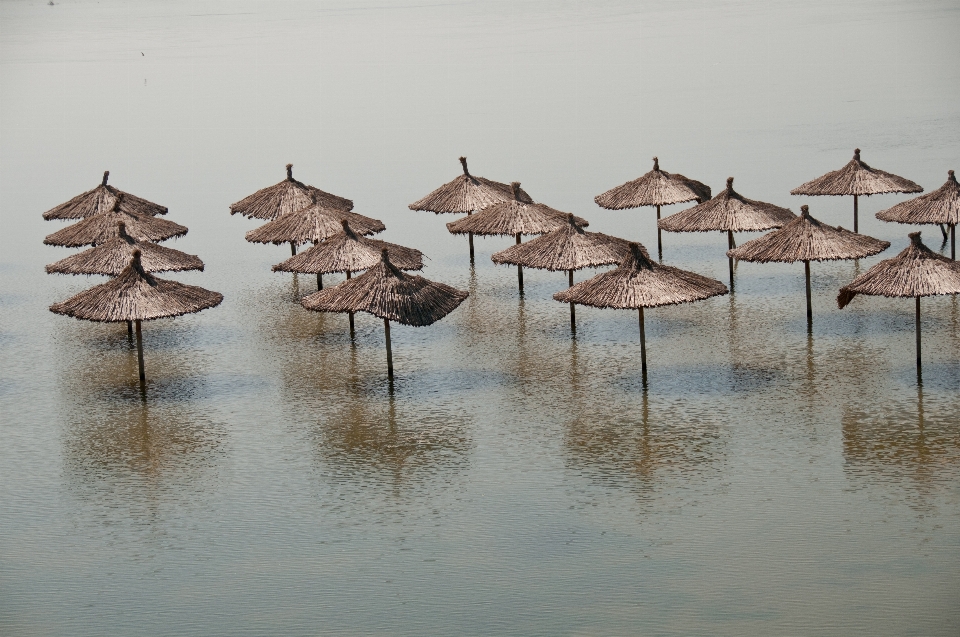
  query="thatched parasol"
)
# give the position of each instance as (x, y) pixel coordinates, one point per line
(136, 295)
(287, 196)
(640, 282)
(942, 206)
(466, 194)
(102, 227)
(312, 224)
(569, 248)
(390, 294)
(101, 199)
(728, 212)
(113, 255)
(806, 239)
(515, 217)
(656, 188)
(856, 178)
(917, 271)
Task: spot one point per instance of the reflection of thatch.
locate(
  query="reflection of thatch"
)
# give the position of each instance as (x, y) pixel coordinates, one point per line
(513, 217)
(569, 247)
(656, 188)
(112, 256)
(807, 239)
(289, 195)
(466, 193)
(856, 178)
(917, 271)
(312, 224)
(728, 211)
(388, 293)
(101, 199)
(940, 206)
(102, 227)
(349, 252)
(136, 295)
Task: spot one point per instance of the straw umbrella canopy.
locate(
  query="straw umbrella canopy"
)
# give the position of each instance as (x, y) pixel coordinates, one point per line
(103, 226)
(466, 194)
(656, 188)
(728, 212)
(515, 217)
(568, 248)
(101, 199)
(287, 196)
(917, 271)
(113, 256)
(640, 282)
(856, 178)
(941, 206)
(807, 239)
(388, 293)
(312, 224)
(136, 295)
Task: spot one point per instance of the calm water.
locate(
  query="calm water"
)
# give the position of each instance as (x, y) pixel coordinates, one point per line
(516, 482)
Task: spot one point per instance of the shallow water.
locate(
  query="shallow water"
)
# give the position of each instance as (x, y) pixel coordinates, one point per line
(515, 481)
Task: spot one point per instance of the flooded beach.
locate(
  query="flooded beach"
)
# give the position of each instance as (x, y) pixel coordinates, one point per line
(512, 480)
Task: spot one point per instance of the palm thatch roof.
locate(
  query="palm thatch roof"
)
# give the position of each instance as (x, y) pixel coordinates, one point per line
(112, 256)
(102, 227)
(388, 293)
(513, 217)
(466, 193)
(348, 252)
(101, 199)
(728, 211)
(569, 247)
(311, 224)
(856, 178)
(641, 282)
(940, 206)
(656, 188)
(137, 295)
(288, 196)
(917, 271)
(807, 239)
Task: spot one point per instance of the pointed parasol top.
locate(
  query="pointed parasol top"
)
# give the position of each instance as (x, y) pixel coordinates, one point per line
(641, 282)
(569, 247)
(807, 239)
(917, 271)
(940, 206)
(101, 199)
(113, 255)
(656, 188)
(728, 211)
(311, 224)
(349, 252)
(856, 178)
(385, 291)
(466, 193)
(102, 227)
(513, 217)
(136, 295)
(288, 196)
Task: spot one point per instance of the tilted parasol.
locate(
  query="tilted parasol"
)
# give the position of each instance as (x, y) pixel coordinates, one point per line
(917, 271)
(466, 194)
(728, 212)
(640, 282)
(942, 206)
(287, 196)
(136, 295)
(656, 188)
(569, 248)
(102, 227)
(856, 178)
(807, 239)
(101, 199)
(310, 225)
(390, 294)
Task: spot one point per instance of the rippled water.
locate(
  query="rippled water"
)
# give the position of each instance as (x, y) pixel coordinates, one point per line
(515, 481)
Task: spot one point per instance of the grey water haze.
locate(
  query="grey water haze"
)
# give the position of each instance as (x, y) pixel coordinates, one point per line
(516, 481)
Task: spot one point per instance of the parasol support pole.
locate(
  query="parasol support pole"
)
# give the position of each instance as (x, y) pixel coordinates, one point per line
(659, 240)
(470, 239)
(918, 332)
(293, 248)
(386, 329)
(519, 269)
(944, 231)
(953, 241)
(573, 311)
(855, 207)
(143, 377)
(806, 271)
(643, 349)
(319, 281)
(129, 328)
(351, 315)
(731, 245)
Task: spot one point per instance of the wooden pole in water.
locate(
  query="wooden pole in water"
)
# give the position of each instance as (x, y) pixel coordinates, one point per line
(730, 245)
(953, 241)
(918, 332)
(293, 248)
(659, 241)
(855, 225)
(573, 312)
(143, 376)
(520, 269)
(386, 329)
(470, 239)
(319, 281)
(351, 315)
(643, 349)
(806, 270)
(129, 328)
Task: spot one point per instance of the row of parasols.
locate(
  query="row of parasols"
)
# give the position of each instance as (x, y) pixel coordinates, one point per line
(124, 230)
